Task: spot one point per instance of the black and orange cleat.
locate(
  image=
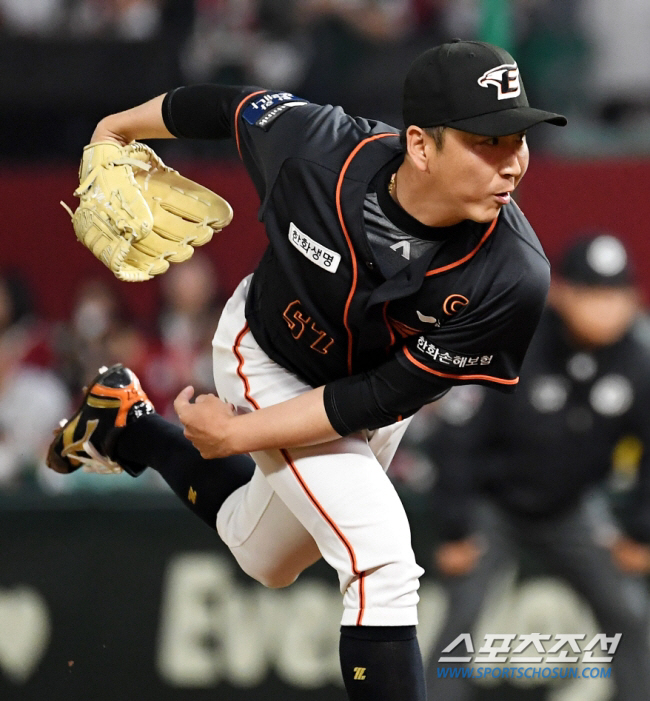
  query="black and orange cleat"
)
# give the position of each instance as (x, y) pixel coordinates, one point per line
(113, 399)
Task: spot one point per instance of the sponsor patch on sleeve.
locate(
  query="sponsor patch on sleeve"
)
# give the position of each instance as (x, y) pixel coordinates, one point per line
(263, 111)
(444, 357)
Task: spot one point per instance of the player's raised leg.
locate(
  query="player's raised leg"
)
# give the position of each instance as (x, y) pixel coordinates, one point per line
(116, 428)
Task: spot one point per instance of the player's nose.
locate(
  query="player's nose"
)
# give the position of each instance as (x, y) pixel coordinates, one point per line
(511, 165)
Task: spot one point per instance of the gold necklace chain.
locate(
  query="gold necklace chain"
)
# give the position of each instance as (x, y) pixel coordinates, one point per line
(392, 187)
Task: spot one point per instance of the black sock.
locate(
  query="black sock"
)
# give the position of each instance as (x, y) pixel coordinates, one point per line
(202, 485)
(382, 663)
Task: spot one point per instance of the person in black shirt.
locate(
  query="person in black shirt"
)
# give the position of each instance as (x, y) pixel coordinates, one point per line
(397, 267)
(520, 473)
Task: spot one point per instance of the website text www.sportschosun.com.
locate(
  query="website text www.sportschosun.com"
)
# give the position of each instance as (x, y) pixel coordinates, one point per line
(540, 672)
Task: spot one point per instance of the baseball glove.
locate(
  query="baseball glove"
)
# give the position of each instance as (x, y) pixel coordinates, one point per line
(137, 215)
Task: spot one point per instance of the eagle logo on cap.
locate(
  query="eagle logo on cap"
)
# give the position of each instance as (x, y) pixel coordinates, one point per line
(505, 78)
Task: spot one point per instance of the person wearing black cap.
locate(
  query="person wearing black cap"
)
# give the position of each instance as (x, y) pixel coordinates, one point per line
(396, 268)
(520, 474)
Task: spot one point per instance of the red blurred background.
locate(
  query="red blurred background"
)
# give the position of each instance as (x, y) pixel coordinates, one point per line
(560, 198)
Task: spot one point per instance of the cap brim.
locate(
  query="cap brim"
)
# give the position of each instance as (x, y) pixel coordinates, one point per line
(508, 121)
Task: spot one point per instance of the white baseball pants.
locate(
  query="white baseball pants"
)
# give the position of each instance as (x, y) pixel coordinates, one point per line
(332, 500)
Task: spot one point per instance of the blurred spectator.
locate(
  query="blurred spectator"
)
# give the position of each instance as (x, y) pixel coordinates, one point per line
(552, 49)
(129, 20)
(179, 353)
(308, 46)
(463, 18)
(221, 42)
(191, 305)
(546, 37)
(587, 62)
(380, 20)
(518, 472)
(32, 17)
(351, 59)
(619, 77)
(99, 333)
(32, 398)
(281, 52)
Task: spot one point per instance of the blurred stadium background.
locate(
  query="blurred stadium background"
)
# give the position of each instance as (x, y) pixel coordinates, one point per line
(108, 588)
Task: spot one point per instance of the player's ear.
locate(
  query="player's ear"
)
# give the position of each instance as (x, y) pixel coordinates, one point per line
(416, 146)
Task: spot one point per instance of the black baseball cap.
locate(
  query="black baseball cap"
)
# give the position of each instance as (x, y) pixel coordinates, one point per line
(597, 259)
(471, 86)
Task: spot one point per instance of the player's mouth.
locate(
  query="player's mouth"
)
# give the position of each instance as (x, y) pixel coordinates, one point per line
(502, 197)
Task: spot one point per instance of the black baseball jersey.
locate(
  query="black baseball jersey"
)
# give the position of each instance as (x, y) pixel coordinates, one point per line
(536, 453)
(352, 292)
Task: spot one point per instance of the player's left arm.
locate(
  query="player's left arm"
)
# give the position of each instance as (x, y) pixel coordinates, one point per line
(204, 111)
(144, 121)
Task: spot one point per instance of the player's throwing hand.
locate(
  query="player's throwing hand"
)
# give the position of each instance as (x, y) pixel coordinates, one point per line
(205, 422)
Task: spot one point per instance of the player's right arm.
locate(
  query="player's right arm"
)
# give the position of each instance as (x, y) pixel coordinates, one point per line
(216, 431)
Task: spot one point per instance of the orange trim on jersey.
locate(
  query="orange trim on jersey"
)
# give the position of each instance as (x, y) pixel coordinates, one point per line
(240, 366)
(353, 257)
(407, 353)
(298, 476)
(464, 259)
(237, 111)
(384, 311)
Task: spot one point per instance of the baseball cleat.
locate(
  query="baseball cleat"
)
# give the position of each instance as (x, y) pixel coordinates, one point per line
(113, 399)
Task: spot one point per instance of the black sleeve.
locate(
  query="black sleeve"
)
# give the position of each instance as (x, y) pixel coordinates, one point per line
(378, 398)
(202, 111)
